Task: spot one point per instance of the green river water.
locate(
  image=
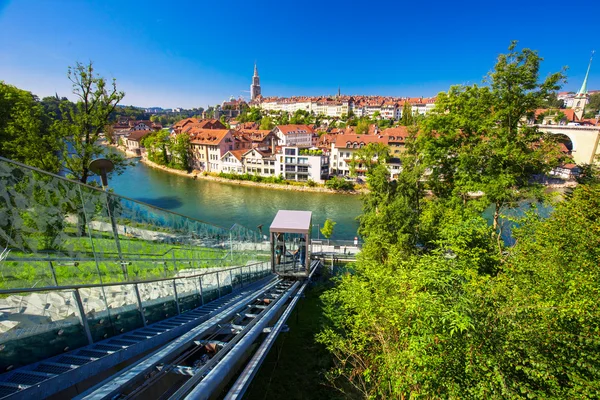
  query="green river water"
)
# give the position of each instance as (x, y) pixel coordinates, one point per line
(224, 204)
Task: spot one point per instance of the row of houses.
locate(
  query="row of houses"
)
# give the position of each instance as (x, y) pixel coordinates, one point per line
(295, 152)
(338, 106)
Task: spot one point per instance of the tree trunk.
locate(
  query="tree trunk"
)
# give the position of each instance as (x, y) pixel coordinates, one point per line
(497, 227)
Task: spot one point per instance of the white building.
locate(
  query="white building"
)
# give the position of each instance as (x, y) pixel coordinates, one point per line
(294, 135)
(299, 164)
(258, 162)
(344, 148)
(231, 162)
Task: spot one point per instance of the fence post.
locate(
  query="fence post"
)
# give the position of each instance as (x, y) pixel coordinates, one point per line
(53, 273)
(176, 297)
(139, 301)
(218, 284)
(174, 262)
(231, 280)
(83, 318)
(201, 292)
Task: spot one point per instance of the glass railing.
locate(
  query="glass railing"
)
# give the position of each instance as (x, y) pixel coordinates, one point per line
(57, 232)
(38, 323)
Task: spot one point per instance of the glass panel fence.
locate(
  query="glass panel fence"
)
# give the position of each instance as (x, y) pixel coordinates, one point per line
(39, 325)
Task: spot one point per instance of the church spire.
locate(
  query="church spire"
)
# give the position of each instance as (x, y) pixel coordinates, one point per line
(255, 69)
(583, 90)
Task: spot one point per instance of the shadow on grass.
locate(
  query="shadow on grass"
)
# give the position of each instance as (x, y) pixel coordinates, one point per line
(296, 365)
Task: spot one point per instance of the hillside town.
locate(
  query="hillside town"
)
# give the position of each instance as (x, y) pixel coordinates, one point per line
(221, 143)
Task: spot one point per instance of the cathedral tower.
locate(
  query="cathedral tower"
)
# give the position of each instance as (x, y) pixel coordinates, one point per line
(255, 87)
(581, 98)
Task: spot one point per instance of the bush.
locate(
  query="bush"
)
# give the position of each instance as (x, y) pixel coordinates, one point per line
(337, 183)
(311, 183)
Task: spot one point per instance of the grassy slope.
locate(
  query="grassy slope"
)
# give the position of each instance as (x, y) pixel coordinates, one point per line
(299, 371)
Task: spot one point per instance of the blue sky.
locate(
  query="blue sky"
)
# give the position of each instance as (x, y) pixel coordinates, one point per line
(195, 53)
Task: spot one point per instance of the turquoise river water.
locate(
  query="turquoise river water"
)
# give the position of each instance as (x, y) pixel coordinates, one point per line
(227, 203)
(224, 204)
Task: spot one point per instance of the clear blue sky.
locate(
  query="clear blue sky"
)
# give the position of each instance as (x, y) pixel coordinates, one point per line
(194, 53)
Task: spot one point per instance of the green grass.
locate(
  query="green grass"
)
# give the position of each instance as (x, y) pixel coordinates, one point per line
(297, 370)
(160, 260)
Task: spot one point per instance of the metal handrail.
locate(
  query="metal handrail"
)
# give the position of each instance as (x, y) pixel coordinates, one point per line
(95, 285)
(114, 194)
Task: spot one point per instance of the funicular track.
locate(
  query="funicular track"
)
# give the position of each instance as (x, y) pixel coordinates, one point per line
(200, 363)
(50, 376)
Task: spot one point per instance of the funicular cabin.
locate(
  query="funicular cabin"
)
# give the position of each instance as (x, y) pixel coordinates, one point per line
(290, 243)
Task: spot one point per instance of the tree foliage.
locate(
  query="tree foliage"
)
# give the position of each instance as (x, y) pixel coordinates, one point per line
(327, 229)
(82, 125)
(26, 132)
(432, 308)
(407, 115)
(475, 139)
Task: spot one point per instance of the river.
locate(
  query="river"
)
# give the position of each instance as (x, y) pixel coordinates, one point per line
(224, 204)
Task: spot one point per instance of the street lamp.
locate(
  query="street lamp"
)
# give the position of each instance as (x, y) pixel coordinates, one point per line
(102, 166)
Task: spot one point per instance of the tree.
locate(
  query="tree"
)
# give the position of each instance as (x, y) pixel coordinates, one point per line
(432, 309)
(552, 101)
(327, 229)
(474, 140)
(109, 133)
(368, 157)
(592, 108)
(180, 147)
(362, 127)
(26, 133)
(81, 127)
(267, 123)
(407, 116)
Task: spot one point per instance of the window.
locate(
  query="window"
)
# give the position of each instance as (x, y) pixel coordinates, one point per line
(290, 160)
(302, 169)
(290, 152)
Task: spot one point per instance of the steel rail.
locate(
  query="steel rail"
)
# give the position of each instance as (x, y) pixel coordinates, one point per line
(240, 386)
(217, 377)
(115, 384)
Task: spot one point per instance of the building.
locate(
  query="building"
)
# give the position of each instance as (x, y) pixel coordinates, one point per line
(294, 135)
(582, 97)
(255, 86)
(259, 162)
(345, 146)
(207, 146)
(299, 164)
(396, 139)
(231, 162)
(133, 141)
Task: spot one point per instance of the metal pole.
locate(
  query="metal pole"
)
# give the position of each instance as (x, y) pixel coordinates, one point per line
(82, 317)
(174, 261)
(176, 297)
(201, 293)
(231, 280)
(218, 284)
(139, 301)
(53, 273)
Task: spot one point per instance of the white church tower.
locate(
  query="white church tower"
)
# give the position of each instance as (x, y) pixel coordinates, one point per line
(581, 98)
(255, 87)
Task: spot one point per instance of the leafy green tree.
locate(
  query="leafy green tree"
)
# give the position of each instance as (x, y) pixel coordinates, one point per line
(267, 123)
(368, 157)
(180, 147)
(327, 229)
(592, 108)
(407, 116)
(474, 139)
(362, 127)
(552, 101)
(26, 134)
(81, 127)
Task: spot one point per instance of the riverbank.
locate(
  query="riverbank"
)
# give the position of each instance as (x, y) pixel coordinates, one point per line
(295, 186)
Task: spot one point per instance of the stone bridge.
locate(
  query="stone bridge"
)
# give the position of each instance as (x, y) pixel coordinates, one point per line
(584, 139)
